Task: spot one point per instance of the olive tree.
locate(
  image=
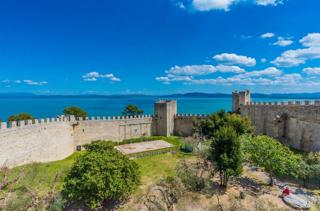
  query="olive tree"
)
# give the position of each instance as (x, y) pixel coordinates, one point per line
(20, 117)
(75, 111)
(208, 127)
(226, 154)
(101, 174)
(272, 156)
(131, 110)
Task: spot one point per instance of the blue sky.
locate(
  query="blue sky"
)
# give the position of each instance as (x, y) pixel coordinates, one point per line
(159, 46)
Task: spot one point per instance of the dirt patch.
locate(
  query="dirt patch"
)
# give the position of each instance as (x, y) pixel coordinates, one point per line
(128, 149)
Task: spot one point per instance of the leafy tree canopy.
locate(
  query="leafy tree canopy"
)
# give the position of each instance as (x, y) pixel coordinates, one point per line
(131, 110)
(75, 111)
(208, 127)
(101, 173)
(19, 117)
(226, 153)
(271, 155)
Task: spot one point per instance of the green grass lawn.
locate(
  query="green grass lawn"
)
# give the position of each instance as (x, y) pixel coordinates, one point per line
(40, 177)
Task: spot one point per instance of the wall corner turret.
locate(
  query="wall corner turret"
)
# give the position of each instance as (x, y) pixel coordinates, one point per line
(239, 99)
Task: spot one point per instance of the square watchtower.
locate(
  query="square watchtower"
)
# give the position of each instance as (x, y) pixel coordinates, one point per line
(239, 99)
(164, 113)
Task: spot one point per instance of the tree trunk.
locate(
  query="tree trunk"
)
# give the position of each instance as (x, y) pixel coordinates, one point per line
(271, 180)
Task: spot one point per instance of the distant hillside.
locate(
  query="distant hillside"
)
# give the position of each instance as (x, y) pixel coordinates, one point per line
(315, 95)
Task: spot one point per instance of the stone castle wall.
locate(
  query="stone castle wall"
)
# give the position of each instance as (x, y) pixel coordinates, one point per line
(41, 142)
(184, 123)
(296, 124)
(56, 138)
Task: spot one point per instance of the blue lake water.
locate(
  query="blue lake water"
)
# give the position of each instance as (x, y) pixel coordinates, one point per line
(51, 107)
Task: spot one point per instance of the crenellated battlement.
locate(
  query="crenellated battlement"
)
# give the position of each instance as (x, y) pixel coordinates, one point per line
(5, 126)
(285, 103)
(190, 115)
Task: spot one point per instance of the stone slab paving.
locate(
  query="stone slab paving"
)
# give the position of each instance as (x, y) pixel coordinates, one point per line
(128, 149)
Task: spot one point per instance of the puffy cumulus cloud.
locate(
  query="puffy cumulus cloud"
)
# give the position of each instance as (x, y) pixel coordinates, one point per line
(203, 69)
(170, 78)
(269, 2)
(191, 70)
(283, 42)
(291, 58)
(206, 5)
(267, 35)
(26, 81)
(268, 72)
(186, 73)
(94, 76)
(283, 80)
(311, 40)
(232, 58)
(312, 70)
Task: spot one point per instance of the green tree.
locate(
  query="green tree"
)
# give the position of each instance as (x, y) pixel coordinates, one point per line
(272, 156)
(19, 117)
(310, 168)
(131, 110)
(226, 154)
(101, 173)
(75, 111)
(208, 127)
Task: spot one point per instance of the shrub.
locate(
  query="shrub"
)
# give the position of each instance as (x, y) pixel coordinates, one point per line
(186, 147)
(75, 111)
(101, 173)
(189, 175)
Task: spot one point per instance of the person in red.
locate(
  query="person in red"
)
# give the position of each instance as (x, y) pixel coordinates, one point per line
(286, 192)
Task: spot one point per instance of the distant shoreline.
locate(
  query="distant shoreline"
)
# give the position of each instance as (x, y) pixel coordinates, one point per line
(315, 95)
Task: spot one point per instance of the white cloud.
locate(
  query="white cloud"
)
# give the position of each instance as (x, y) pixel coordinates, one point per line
(229, 68)
(311, 40)
(282, 80)
(206, 5)
(203, 69)
(296, 57)
(26, 81)
(169, 78)
(283, 42)
(269, 72)
(269, 2)
(231, 58)
(267, 35)
(191, 70)
(93, 76)
(35, 83)
(312, 70)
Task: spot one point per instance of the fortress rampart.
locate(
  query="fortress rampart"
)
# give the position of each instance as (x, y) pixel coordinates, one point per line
(294, 123)
(50, 139)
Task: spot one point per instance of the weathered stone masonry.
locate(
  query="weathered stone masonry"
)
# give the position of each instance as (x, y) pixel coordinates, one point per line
(52, 139)
(296, 124)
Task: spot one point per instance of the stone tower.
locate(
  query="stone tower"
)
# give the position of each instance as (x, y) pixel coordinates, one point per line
(239, 99)
(164, 113)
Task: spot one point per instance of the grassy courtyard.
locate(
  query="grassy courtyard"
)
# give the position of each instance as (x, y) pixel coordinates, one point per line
(42, 178)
